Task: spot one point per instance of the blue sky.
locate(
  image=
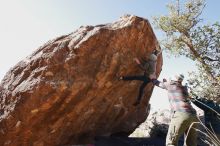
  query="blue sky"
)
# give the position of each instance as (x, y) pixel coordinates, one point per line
(27, 24)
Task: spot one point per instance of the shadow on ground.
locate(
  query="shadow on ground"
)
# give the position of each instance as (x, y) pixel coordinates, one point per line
(129, 141)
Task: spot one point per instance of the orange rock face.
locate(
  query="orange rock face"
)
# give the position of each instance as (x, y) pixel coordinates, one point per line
(67, 91)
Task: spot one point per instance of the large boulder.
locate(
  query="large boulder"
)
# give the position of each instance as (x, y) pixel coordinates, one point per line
(68, 92)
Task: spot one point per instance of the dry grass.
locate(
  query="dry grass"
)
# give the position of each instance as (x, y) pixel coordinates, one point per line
(210, 136)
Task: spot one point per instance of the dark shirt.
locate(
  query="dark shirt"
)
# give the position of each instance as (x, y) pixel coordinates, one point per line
(148, 66)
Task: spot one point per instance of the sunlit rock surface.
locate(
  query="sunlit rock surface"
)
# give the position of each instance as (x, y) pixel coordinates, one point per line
(68, 92)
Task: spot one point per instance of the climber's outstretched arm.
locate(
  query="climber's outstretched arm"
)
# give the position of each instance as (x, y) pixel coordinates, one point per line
(140, 65)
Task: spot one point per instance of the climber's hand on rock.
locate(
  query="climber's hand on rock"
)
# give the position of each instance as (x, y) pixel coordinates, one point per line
(137, 61)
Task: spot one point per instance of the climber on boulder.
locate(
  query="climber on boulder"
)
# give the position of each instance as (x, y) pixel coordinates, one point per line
(148, 65)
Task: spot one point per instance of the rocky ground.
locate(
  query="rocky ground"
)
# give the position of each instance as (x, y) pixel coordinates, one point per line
(156, 125)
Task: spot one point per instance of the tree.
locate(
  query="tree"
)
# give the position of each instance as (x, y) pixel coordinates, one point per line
(186, 35)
